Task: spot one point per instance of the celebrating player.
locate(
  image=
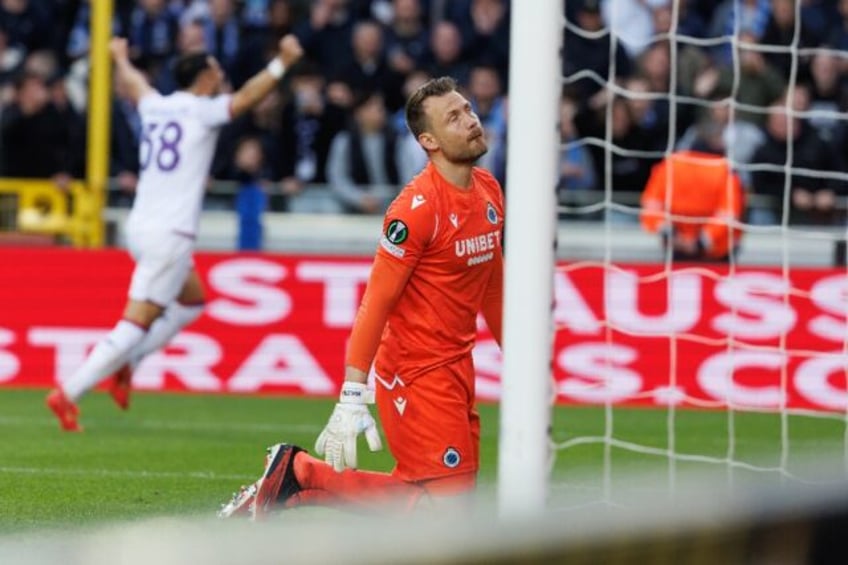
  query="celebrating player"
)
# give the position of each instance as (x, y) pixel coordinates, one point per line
(438, 264)
(179, 133)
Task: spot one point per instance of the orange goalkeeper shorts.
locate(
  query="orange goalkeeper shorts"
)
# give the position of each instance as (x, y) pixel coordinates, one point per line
(431, 425)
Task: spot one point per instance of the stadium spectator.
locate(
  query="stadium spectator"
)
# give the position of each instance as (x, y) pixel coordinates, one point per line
(309, 124)
(251, 200)
(839, 33)
(690, 22)
(326, 35)
(152, 33)
(406, 37)
(740, 139)
(362, 166)
(629, 171)
(576, 170)
(10, 61)
(124, 144)
(259, 42)
(812, 197)
(369, 70)
(79, 35)
(484, 28)
(632, 21)
(820, 17)
(446, 53)
(26, 23)
(486, 96)
(418, 319)
(700, 186)
(735, 16)
(757, 85)
(828, 98)
(655, 63)
(262, 123)
(178, 141)
(649, 113)
(223, 37)
(41, 135)
(780, 32)
(411, 156)
(255, 14)
(591, 52)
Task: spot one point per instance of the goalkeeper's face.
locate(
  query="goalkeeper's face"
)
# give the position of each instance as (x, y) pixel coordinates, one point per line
(453, 129)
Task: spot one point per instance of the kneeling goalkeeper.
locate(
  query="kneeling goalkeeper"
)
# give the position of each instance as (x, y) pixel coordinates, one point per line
(439, 264)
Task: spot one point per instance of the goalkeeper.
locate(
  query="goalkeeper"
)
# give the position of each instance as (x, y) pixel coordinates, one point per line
(438, 264)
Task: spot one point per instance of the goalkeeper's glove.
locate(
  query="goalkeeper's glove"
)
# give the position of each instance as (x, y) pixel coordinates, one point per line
(337, 443)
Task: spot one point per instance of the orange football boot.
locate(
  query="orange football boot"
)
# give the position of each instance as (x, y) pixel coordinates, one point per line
(65, 410)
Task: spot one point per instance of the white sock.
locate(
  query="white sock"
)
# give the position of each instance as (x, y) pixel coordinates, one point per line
(107, 356)
(175, 317)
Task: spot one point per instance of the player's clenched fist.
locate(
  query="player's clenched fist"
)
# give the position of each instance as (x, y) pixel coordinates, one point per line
(290, 50)
(118, 48)
(337, 443)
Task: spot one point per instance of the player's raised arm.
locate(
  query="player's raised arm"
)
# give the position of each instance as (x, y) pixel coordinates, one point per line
(135, 83)
(265, 80)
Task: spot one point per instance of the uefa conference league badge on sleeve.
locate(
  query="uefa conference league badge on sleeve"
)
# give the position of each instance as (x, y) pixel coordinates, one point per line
(396, 233)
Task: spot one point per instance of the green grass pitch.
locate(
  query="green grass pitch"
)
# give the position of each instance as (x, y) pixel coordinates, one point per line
(174, 454)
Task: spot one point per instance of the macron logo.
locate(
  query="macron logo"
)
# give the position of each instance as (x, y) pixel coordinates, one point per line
(417, 201)
(400, 404)
(454, 220)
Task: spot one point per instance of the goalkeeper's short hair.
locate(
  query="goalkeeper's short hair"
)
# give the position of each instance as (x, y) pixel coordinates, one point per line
(416, 119)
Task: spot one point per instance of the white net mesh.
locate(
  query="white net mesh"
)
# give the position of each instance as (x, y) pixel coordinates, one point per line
(739, 365)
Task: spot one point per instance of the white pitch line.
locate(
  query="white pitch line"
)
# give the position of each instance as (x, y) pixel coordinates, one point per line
(204, 475)
(175, 425)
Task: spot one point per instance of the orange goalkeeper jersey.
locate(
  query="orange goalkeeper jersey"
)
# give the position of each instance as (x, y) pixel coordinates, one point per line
(704, 190)
(448, 242)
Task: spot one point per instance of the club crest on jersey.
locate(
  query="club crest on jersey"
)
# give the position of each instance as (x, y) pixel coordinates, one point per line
(397, 232)
(491, 214)
(451, 458)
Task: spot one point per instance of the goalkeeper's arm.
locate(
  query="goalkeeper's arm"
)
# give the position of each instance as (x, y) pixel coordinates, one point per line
(351, 416)
(385, 285)
(493, 300)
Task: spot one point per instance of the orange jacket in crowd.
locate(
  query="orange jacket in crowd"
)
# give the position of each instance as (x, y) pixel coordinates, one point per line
(703, 187)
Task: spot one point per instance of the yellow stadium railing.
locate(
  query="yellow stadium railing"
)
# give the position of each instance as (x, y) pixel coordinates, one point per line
(40, 207)
(74, 214)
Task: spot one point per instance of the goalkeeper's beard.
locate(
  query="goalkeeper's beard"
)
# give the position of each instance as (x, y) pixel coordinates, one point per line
(466, 156)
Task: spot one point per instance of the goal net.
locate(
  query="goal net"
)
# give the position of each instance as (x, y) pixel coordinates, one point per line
(666, 360)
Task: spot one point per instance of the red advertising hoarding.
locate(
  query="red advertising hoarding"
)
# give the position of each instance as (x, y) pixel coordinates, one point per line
(629, 334)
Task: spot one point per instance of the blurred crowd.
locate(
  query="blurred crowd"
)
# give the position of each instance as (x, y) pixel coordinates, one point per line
(709, 75)
(717, 76)
(336, 120)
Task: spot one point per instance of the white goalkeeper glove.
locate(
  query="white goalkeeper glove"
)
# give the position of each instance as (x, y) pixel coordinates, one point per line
(351, 417)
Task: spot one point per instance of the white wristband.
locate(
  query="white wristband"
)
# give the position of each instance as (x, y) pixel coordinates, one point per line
(276, 68)
(355, 393)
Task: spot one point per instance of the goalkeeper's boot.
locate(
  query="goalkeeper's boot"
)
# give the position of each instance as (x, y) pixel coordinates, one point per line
(278, 483)
(65, 410)
(119, 387)
(241, 504)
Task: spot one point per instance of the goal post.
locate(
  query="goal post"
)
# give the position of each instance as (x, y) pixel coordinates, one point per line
(530, 225)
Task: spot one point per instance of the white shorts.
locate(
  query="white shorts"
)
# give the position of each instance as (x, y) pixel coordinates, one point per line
(162, 265)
